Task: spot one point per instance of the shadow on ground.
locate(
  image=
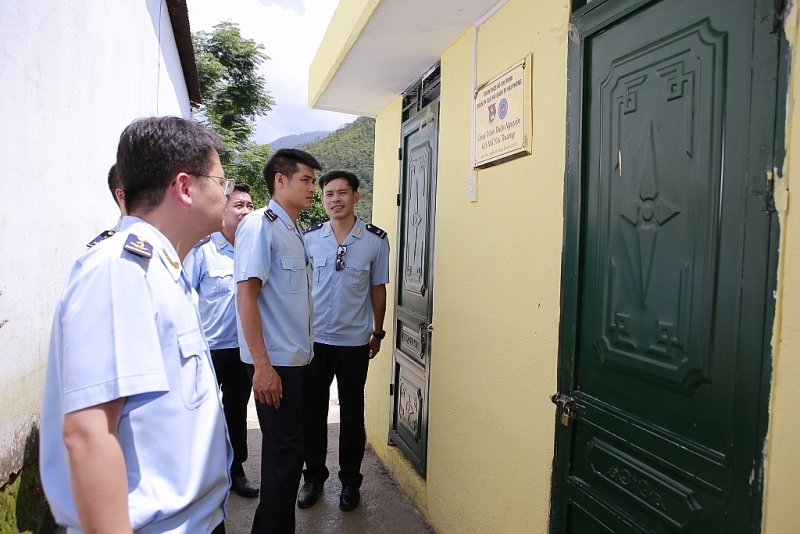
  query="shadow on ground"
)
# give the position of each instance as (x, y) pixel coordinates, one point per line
(384, 508)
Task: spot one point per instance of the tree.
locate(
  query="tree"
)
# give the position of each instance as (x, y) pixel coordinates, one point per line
(233, 96)
(233, 92)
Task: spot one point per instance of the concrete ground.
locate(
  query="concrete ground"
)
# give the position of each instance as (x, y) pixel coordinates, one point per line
(384, 508)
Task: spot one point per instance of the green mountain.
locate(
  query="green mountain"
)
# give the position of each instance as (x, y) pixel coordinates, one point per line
(291, 141)
(350, 148)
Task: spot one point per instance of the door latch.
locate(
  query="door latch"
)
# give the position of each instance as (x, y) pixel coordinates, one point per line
(568, 405)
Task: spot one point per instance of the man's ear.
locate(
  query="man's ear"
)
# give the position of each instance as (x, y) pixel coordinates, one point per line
(181, 187)
(119, 194)
(280, 180)
(356, 197)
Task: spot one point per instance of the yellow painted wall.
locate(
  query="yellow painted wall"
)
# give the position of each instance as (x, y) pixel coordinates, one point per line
(496, 309)
(782, 466)
(496, 291)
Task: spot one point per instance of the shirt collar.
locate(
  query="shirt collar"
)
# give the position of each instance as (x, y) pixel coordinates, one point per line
(220, 241)
(357, 231)
(281, 213)
(161, 245)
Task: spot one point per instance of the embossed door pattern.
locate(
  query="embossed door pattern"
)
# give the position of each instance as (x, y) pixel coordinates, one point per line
(414, 297)
(670, 311)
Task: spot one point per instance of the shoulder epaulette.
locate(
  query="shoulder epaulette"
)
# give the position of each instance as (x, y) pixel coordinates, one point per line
(314, 227)
(271, 215)
(102, 237)
(139, 246)
(203, 241)
(377, 231)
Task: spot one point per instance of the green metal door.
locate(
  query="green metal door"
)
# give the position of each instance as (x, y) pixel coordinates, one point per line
(414, 295)
(666, 280)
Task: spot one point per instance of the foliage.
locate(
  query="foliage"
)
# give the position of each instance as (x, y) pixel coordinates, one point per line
(248, 167)
(23, 508)
(233, 93)
(350, 148)
(233, 96)
(315, 214)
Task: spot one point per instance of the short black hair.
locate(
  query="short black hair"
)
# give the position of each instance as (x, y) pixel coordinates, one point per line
(114, 183)
(153, 150)
(351, 178)
(241, 186)
(285, 161)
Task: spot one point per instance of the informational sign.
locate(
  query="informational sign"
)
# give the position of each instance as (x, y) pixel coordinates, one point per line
(503, 119)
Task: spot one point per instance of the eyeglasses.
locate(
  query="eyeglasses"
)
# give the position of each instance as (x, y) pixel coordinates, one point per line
(226, 184)
(340, 252)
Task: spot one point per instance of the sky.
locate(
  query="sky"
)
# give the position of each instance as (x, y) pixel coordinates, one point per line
(290, 31)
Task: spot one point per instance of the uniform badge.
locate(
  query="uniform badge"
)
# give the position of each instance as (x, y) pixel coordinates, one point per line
(377, 231)
(172, 262)
(203, 241)
(102, 237)
(137, 245)
(271, 215)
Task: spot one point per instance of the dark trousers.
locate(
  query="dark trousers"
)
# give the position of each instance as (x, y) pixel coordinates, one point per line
(220, 529)
(282, 451)
(349, 365)
(234, 382)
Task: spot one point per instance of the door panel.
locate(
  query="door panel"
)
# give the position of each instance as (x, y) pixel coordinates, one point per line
(414, 296)
(671, 130)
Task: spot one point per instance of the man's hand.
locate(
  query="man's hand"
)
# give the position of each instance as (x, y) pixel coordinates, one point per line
(374, 346)
(97, 468)
(267, 386)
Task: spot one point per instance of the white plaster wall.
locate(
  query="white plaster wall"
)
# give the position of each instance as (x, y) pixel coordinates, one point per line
(72, 76)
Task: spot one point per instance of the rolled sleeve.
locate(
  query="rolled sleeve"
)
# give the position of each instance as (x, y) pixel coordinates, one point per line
(110, 340)
(252, 255)
(380, 268)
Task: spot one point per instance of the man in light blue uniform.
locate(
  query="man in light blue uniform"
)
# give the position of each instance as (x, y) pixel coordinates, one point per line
(351, 269)
(133, 434)
(209, 267)
(272, 270)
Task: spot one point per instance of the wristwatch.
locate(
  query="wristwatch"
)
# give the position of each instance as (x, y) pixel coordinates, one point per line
(379, 335)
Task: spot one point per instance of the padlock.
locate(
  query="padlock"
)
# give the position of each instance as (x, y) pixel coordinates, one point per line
(566, 418)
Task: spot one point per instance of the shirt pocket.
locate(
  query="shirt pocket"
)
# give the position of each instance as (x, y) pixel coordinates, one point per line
(293, 274)
(221, 280)
(321, 271)
(357, 273)
(194, 372)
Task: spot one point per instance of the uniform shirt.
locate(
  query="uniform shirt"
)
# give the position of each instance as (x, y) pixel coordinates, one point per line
(209, 267)
(342, 299)
(127, 326)
(274, 252)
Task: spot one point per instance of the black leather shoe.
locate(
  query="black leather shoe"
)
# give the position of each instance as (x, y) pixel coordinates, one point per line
(243, 487)
(349, 499)
(309, 494)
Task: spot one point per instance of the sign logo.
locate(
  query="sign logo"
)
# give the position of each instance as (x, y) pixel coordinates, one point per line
(492, 111)
(503, 109)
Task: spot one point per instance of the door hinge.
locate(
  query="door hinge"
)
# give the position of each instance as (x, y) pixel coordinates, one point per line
(568, 405)
(400, 154)
(398, 199)
(391, 389)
